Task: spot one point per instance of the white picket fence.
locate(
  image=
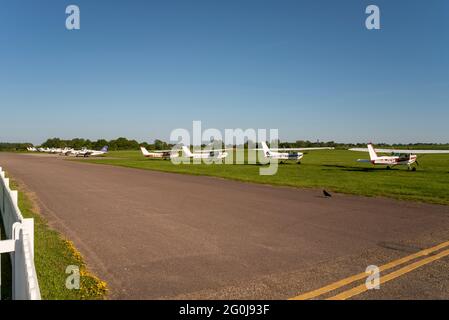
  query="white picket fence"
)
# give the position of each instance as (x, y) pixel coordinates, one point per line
(20, 244)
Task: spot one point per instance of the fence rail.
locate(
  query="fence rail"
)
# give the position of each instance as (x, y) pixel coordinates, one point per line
(19, 244)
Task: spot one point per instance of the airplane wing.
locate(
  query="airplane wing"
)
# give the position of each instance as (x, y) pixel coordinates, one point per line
(408, 151)
(207, 151)
(299, 149)
(359, 149)
(302, 149)
(162, 151)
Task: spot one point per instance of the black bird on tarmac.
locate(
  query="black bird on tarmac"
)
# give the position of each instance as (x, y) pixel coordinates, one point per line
(326, 194)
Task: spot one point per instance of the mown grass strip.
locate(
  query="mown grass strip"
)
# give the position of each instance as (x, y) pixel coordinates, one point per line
(334, 170)
(53, 254)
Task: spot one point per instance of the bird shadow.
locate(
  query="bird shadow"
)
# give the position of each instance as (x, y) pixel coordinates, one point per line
(322, 197)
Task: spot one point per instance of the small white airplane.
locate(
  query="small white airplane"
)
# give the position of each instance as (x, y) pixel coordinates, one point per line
(398, 157)
(205, 154)
(291, 154)
(159, 154)
(73, 152)
(95, 153)
(66, 151)
(56, 150)
(88, 153)
(31, 149)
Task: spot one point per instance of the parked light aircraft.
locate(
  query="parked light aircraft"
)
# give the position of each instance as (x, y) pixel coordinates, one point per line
(291, 154)
(159, 154)
(398, 157)
(93, 153)
(73, 152)
(66, 151)
(205, 154)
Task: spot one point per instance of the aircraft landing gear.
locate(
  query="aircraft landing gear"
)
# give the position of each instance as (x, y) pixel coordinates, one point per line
(299, 162)
(388, 168)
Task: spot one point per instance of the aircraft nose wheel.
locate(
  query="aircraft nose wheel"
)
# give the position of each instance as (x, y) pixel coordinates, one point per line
(299, 162)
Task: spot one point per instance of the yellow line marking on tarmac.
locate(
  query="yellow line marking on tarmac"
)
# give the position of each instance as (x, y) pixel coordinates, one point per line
(349, 280)
(362, 288)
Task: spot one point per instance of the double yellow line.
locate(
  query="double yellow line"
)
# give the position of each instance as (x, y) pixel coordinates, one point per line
(362, 288)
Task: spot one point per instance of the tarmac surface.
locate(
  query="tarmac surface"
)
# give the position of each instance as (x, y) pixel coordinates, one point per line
(154, 235)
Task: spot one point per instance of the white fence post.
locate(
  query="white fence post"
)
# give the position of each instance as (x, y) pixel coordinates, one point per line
(20, 244)
(28, 226)
(14, 197)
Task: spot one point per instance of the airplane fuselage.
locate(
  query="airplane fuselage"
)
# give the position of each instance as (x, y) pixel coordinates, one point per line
(154, 155)
(395, 160)
(284, 155)
(210, 155)
(161, 155)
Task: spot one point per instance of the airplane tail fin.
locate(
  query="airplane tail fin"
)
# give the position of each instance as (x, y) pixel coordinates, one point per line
(265, 148)
(144, 151)
(187, 151)
(104, 149)
(372, 152)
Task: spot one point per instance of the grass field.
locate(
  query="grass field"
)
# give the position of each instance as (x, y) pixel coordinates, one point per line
(53, 254)
(335, 170)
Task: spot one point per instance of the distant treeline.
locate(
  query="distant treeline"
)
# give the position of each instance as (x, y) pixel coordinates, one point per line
(125, 144)
(5, 146)
(114, 145)
(337, 145)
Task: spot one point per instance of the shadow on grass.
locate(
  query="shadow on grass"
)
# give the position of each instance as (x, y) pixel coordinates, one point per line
(268, 164)
(358, 169)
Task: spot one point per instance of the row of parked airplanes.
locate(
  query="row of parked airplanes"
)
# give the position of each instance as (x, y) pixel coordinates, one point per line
(397, 157)
(71, 152)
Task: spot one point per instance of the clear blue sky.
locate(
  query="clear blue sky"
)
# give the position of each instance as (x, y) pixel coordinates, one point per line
(142, 68)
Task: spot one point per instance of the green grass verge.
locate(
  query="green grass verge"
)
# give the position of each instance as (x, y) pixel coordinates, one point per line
(336, 170)
(53, 253)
